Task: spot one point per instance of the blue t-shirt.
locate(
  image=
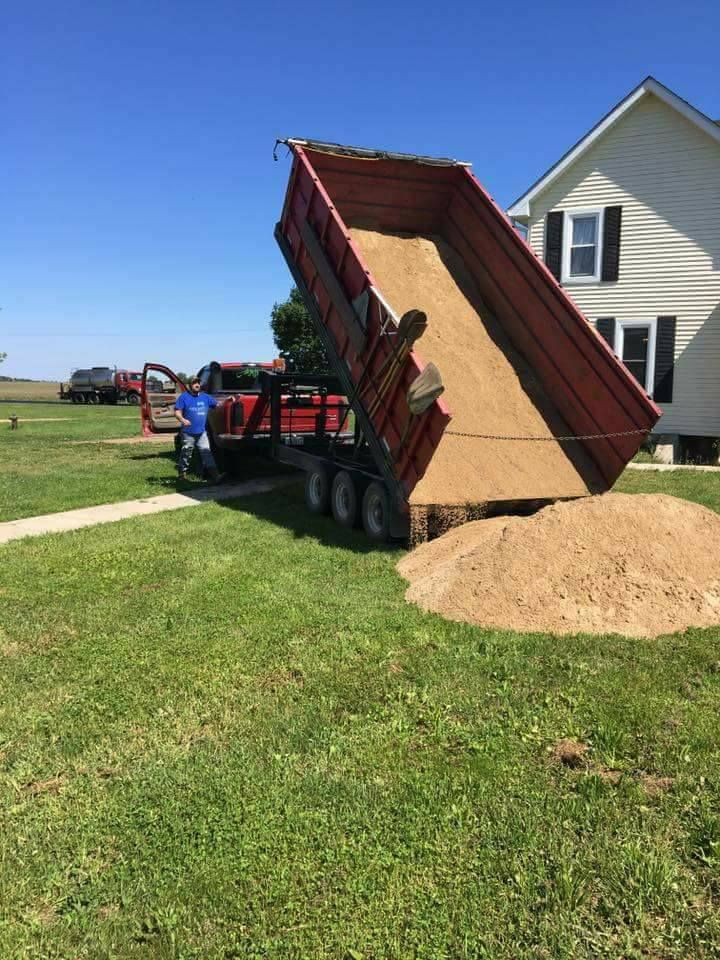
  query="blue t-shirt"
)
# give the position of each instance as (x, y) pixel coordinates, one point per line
(195, 409)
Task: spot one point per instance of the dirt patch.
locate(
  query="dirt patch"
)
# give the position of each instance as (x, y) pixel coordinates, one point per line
(641, 566)
(489, 388)
(570, 753)
(654, 786)
(37, 787)
(278, 679)
(167, 438)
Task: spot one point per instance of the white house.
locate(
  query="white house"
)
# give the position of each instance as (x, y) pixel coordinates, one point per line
(628, 220)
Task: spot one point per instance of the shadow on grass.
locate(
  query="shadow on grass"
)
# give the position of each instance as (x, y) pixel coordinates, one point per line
(156, 455)
(286, 508)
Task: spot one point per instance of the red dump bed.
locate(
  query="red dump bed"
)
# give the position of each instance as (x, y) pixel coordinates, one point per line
(332, 188)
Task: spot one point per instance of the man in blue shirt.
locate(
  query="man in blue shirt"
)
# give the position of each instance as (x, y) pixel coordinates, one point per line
(191, 411)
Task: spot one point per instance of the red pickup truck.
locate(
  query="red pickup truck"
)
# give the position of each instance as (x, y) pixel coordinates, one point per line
(242, 418)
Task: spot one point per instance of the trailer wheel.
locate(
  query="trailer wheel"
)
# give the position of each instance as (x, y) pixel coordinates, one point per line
(73, 398)
(344, 499)
(376, 513)
(317, 490)
(90, 398)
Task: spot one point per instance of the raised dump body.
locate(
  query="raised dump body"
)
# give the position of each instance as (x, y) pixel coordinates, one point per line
(370, 236)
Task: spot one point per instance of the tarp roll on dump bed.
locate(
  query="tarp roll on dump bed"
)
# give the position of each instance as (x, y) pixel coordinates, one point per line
(369, 236)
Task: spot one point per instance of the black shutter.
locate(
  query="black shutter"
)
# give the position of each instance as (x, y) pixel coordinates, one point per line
(611, 243)
(553, 242)
(606, 329)
(664, 359)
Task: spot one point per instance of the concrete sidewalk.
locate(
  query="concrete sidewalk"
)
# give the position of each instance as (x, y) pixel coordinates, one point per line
(669, 467)
(110, 512)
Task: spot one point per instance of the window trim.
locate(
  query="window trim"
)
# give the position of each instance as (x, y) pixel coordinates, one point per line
(620, 326)
(599, 214)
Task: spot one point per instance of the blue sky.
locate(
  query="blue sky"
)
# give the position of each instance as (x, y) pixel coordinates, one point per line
(138, 189)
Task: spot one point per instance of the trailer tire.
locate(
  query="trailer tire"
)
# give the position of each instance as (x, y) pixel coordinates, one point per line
(344, 499)
(73, 398)
(317, 490)
(90, 398)
(376, 513)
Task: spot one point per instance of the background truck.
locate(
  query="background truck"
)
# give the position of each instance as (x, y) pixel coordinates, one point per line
(102, 385)
(430, 445)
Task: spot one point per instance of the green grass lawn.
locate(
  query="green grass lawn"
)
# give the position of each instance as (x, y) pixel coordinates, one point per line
(224, 734)
(44, 468)
(56, 460)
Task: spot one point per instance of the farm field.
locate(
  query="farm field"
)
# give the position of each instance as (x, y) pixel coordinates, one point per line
(29, 390)
(223, 733)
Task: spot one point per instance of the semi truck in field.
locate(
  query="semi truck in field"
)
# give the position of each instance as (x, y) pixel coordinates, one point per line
(102, 385)
(465, 382)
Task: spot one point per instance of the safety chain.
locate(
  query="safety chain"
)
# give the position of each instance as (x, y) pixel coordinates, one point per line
(588, 436)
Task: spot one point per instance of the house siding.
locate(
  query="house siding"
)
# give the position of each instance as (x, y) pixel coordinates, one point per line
(665, 173)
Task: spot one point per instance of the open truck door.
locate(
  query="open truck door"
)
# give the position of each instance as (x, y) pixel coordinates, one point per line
(160, 388)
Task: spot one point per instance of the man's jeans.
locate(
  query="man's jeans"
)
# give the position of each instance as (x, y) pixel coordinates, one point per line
(189, 442)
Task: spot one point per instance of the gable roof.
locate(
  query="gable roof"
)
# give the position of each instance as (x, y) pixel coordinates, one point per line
(521, 207)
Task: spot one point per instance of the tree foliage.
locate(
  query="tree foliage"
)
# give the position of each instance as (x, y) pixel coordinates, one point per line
(3, 356)
(295, 336)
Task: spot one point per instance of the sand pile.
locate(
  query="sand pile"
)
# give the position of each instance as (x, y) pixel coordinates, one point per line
(489, 388)
(636, 565)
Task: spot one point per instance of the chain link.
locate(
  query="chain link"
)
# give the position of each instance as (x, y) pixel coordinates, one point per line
(587, 436)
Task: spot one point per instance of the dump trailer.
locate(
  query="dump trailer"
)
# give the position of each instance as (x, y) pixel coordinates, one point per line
(475, 385)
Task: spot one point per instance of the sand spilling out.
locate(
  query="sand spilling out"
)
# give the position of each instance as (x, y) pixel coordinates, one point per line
(489, 388)
(640, 565)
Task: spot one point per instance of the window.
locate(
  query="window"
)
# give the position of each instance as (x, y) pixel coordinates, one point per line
(204, 378)
(243, 379)
(582, 254)
(636, 348)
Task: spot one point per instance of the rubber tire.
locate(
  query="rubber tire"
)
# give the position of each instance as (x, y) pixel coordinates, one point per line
(375, 513)
(133, 399)
(73, 398)
(317, 490)
(90, 398)
(344, 500)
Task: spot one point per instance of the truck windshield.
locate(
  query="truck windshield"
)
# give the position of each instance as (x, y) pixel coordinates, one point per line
(134, 376)
(241, 379)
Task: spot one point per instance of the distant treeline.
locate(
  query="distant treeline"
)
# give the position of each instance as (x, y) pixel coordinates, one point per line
(23, 380)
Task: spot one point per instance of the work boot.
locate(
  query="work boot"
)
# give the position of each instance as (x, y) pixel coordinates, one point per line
(182, 475)
(215, 477)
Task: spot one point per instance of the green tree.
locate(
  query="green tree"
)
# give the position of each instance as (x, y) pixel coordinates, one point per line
(183, 377)
(295, 336)
(3, 356)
